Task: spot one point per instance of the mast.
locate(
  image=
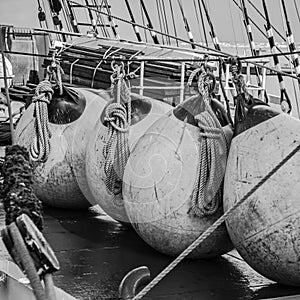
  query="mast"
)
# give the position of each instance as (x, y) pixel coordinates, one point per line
(150, 26)
(212, 30)
(135, 28)
(285, 102)
(186, 25)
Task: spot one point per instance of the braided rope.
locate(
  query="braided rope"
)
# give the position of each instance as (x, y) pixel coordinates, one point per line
(116, 150)
(40, 146)
(207, 191)
(212, 228)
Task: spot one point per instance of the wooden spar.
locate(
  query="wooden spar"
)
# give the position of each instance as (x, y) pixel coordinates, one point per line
(11, 124)
(186, 25)
(135, 28)
(72, 17)
(212, 31)
(111, 21)
(150, 26)
(285, 102)
(290, 39)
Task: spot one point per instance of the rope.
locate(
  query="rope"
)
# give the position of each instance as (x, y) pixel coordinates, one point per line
(118, 118)
(54, 73)
(207, 192)
(17, 193)
(212, 228)
(40, 146)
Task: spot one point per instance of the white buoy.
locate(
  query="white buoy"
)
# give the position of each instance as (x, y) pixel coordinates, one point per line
(61, 180)
(145, 112)
(159, 181)
(265, 229)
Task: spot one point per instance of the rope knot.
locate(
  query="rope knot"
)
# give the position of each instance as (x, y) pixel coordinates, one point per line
(116, 115)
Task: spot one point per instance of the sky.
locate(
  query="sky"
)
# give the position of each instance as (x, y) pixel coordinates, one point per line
(224, 13)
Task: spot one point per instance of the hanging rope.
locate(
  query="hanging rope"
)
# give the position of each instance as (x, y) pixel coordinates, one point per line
(207, 192)
(40, 146)
(118, 119)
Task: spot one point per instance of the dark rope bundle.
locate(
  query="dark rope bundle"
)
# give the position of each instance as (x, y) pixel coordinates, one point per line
(17, 194)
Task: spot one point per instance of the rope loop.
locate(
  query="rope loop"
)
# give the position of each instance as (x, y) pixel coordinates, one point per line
(40, 147)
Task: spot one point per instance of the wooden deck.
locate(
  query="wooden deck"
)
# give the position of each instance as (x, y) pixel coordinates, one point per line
(95, 253)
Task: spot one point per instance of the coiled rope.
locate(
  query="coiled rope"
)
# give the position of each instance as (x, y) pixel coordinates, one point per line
(213, 150)
(40, 146)
(213, 227)
(118, 118)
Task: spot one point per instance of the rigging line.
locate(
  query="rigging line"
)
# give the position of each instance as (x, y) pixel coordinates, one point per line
(159, 20)
(186, 25)
(143, 22)
(107, 33)
(297, 11)
(259, 29)
(232, 24)
(291, 47)
(285, 102)
(290, 38)
(150, 26)
(111, 20)
(72, 17)
(67, 19)
(135, 28)
(212, 30)
(93, 22)
(165, 20)
(217, 52)
(173, 20)
(203, 24)
(198, 20)
(99, 18)
(253, 49)
(258, 11)
(157, 59)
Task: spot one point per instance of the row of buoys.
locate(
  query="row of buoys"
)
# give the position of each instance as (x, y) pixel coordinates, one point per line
(159, 179)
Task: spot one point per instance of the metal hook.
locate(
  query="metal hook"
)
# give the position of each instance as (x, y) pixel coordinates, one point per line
(132, 281)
